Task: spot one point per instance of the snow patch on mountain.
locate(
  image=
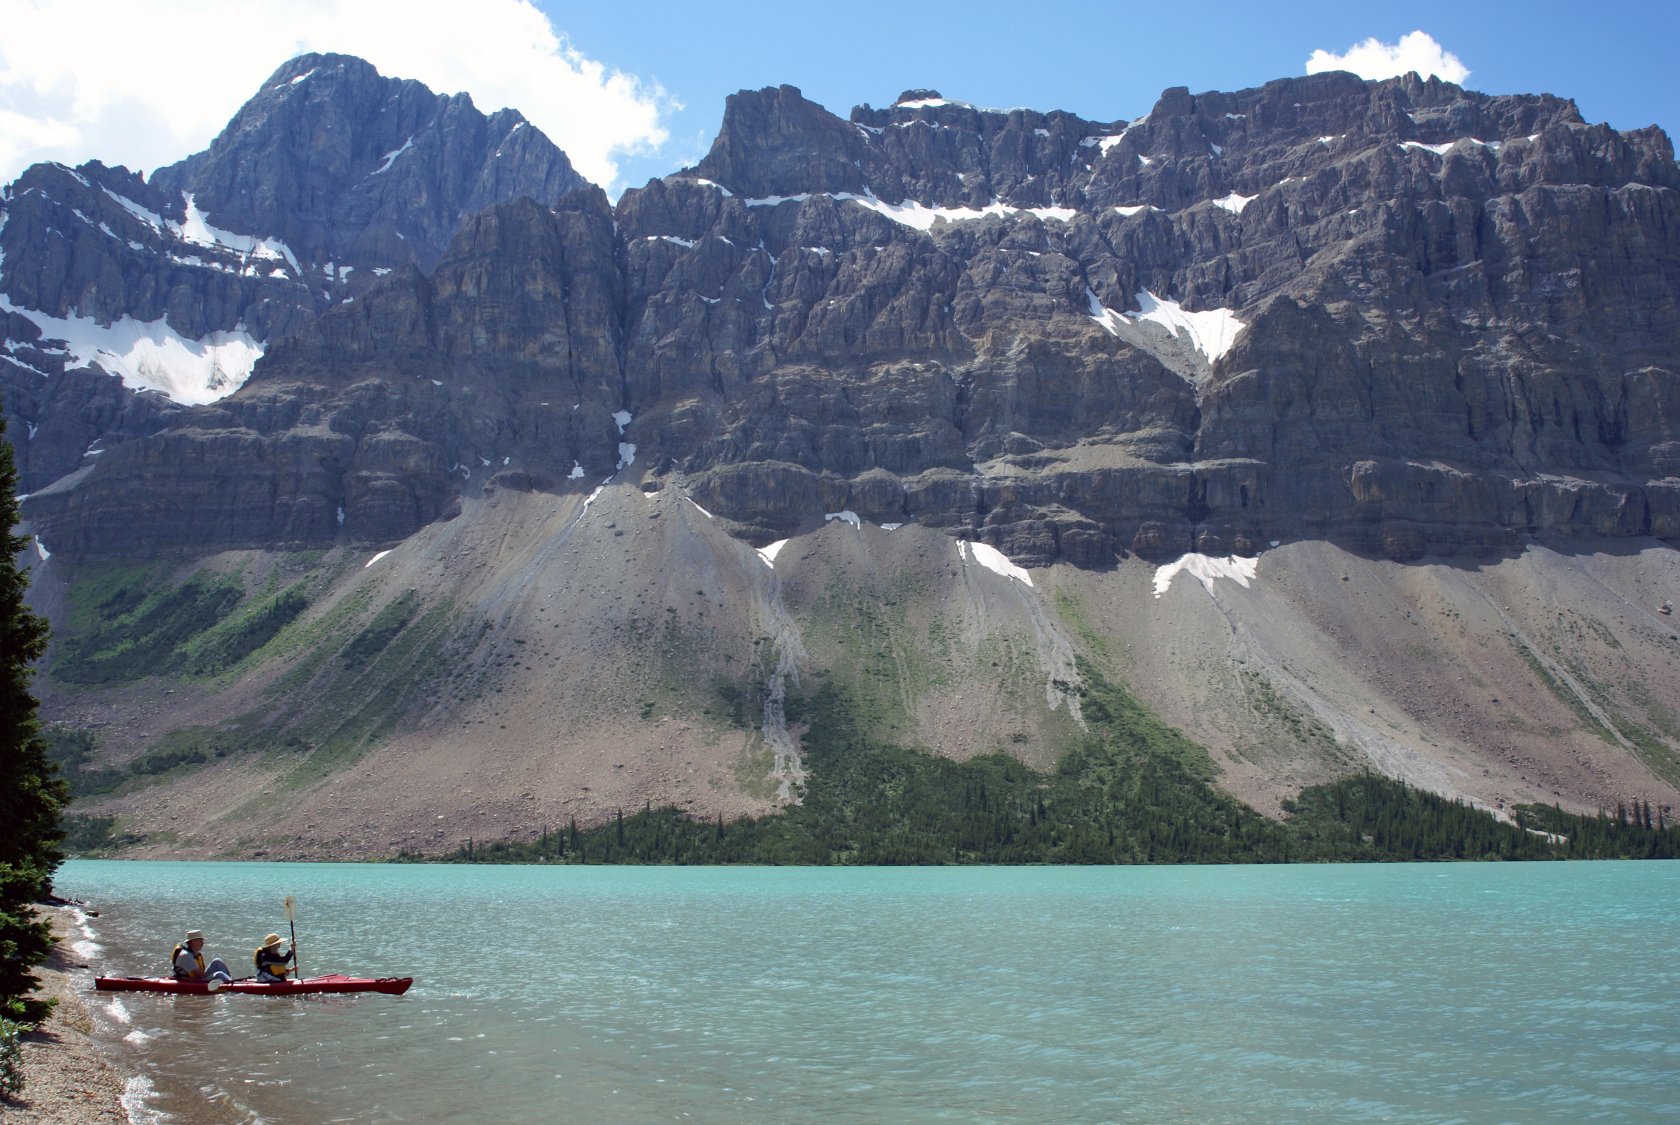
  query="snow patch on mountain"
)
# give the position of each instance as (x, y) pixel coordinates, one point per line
(391, 157)
(198, 231)
(930, 103)
(1211, 332)
(918, 215)
(150, 355)
(1443, 149)
(1205, 569)
(993, 560)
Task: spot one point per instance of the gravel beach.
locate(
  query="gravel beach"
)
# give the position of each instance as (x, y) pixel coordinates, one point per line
(67, 1080)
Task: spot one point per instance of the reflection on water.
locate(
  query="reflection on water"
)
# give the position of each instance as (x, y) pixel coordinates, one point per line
(1528, 993)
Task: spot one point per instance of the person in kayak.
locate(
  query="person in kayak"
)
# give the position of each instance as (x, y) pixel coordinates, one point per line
(271, 964)
(188, 960)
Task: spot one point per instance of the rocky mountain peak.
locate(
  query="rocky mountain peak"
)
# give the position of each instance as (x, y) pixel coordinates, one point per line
(327, 64)
(776, 142)
(330, 177)
(331, 158)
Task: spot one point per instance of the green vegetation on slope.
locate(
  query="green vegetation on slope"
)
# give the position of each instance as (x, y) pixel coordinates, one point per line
(71, 750)
(380, 632)
(366, 663)
(141, 626)
(95, 835)
(233, 639)
(143, 635)
(1136, 791)
(1616, 727)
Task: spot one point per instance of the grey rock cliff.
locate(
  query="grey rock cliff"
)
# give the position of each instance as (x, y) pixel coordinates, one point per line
(373, 422)
(1399, 315)
(330, 177)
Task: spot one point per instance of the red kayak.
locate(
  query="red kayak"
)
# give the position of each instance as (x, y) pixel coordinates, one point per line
(332, 982)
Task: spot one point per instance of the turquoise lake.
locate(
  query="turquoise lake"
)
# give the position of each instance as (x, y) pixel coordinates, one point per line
(1546, 992)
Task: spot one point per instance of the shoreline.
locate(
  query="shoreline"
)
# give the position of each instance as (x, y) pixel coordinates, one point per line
(68, 1077)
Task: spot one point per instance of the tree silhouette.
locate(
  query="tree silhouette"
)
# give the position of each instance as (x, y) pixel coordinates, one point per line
(31, 792)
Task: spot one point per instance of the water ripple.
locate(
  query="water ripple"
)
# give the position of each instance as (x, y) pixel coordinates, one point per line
(1242, 995)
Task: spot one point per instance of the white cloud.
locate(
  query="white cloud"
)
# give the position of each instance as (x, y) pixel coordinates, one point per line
(1375, 60)
(147, 82)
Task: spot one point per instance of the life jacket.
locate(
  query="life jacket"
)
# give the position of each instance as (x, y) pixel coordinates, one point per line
(176, 953)
(271, 963)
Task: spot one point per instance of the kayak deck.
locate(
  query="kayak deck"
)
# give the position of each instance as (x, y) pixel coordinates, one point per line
(331, 982)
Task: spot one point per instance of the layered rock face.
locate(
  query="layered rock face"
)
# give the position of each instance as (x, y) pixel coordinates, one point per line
(1398, 315)
(1394, 314)
(330, 177)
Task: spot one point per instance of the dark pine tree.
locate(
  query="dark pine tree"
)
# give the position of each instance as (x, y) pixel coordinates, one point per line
(31, 792)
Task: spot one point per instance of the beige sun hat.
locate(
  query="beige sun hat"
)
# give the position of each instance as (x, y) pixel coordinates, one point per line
(271, 941)
(195, 935)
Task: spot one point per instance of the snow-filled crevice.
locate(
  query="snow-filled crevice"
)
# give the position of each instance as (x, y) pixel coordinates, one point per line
(197, 231)
(1189, 343)
(391, 158)
(1234, 203)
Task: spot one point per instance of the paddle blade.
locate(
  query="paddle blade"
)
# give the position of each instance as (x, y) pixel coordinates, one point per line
(214, 984)
(291, 908)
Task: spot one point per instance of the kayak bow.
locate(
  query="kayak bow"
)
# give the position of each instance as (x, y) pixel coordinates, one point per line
(332, 982)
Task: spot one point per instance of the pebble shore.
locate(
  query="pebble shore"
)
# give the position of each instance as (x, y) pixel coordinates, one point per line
(67, 1078)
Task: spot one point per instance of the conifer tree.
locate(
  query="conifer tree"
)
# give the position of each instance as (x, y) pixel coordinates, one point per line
(31, 792)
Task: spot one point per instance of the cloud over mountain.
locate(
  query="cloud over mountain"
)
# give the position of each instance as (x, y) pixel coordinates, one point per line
(117, 96)
(1375, 60)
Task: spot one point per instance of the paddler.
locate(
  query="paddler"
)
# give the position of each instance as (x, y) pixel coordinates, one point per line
(272, 965)
(188, 960)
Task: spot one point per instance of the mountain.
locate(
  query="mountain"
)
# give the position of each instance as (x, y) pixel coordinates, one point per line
(1378, 313)
(567, 508)
(330, 177)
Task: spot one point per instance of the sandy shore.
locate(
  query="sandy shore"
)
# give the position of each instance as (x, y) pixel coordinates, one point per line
(67, 1080)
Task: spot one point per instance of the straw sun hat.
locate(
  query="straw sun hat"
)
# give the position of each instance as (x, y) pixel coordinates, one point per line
(271, 941)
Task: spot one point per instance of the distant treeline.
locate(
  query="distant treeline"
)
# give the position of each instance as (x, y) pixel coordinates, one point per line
(1136, 791)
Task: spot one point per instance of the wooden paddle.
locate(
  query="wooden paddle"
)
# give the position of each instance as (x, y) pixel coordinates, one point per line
(291, 920)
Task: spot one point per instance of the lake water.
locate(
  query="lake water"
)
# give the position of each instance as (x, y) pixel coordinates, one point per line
(1397, 993)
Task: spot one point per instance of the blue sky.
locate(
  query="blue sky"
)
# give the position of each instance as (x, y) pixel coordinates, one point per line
(636, 90)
